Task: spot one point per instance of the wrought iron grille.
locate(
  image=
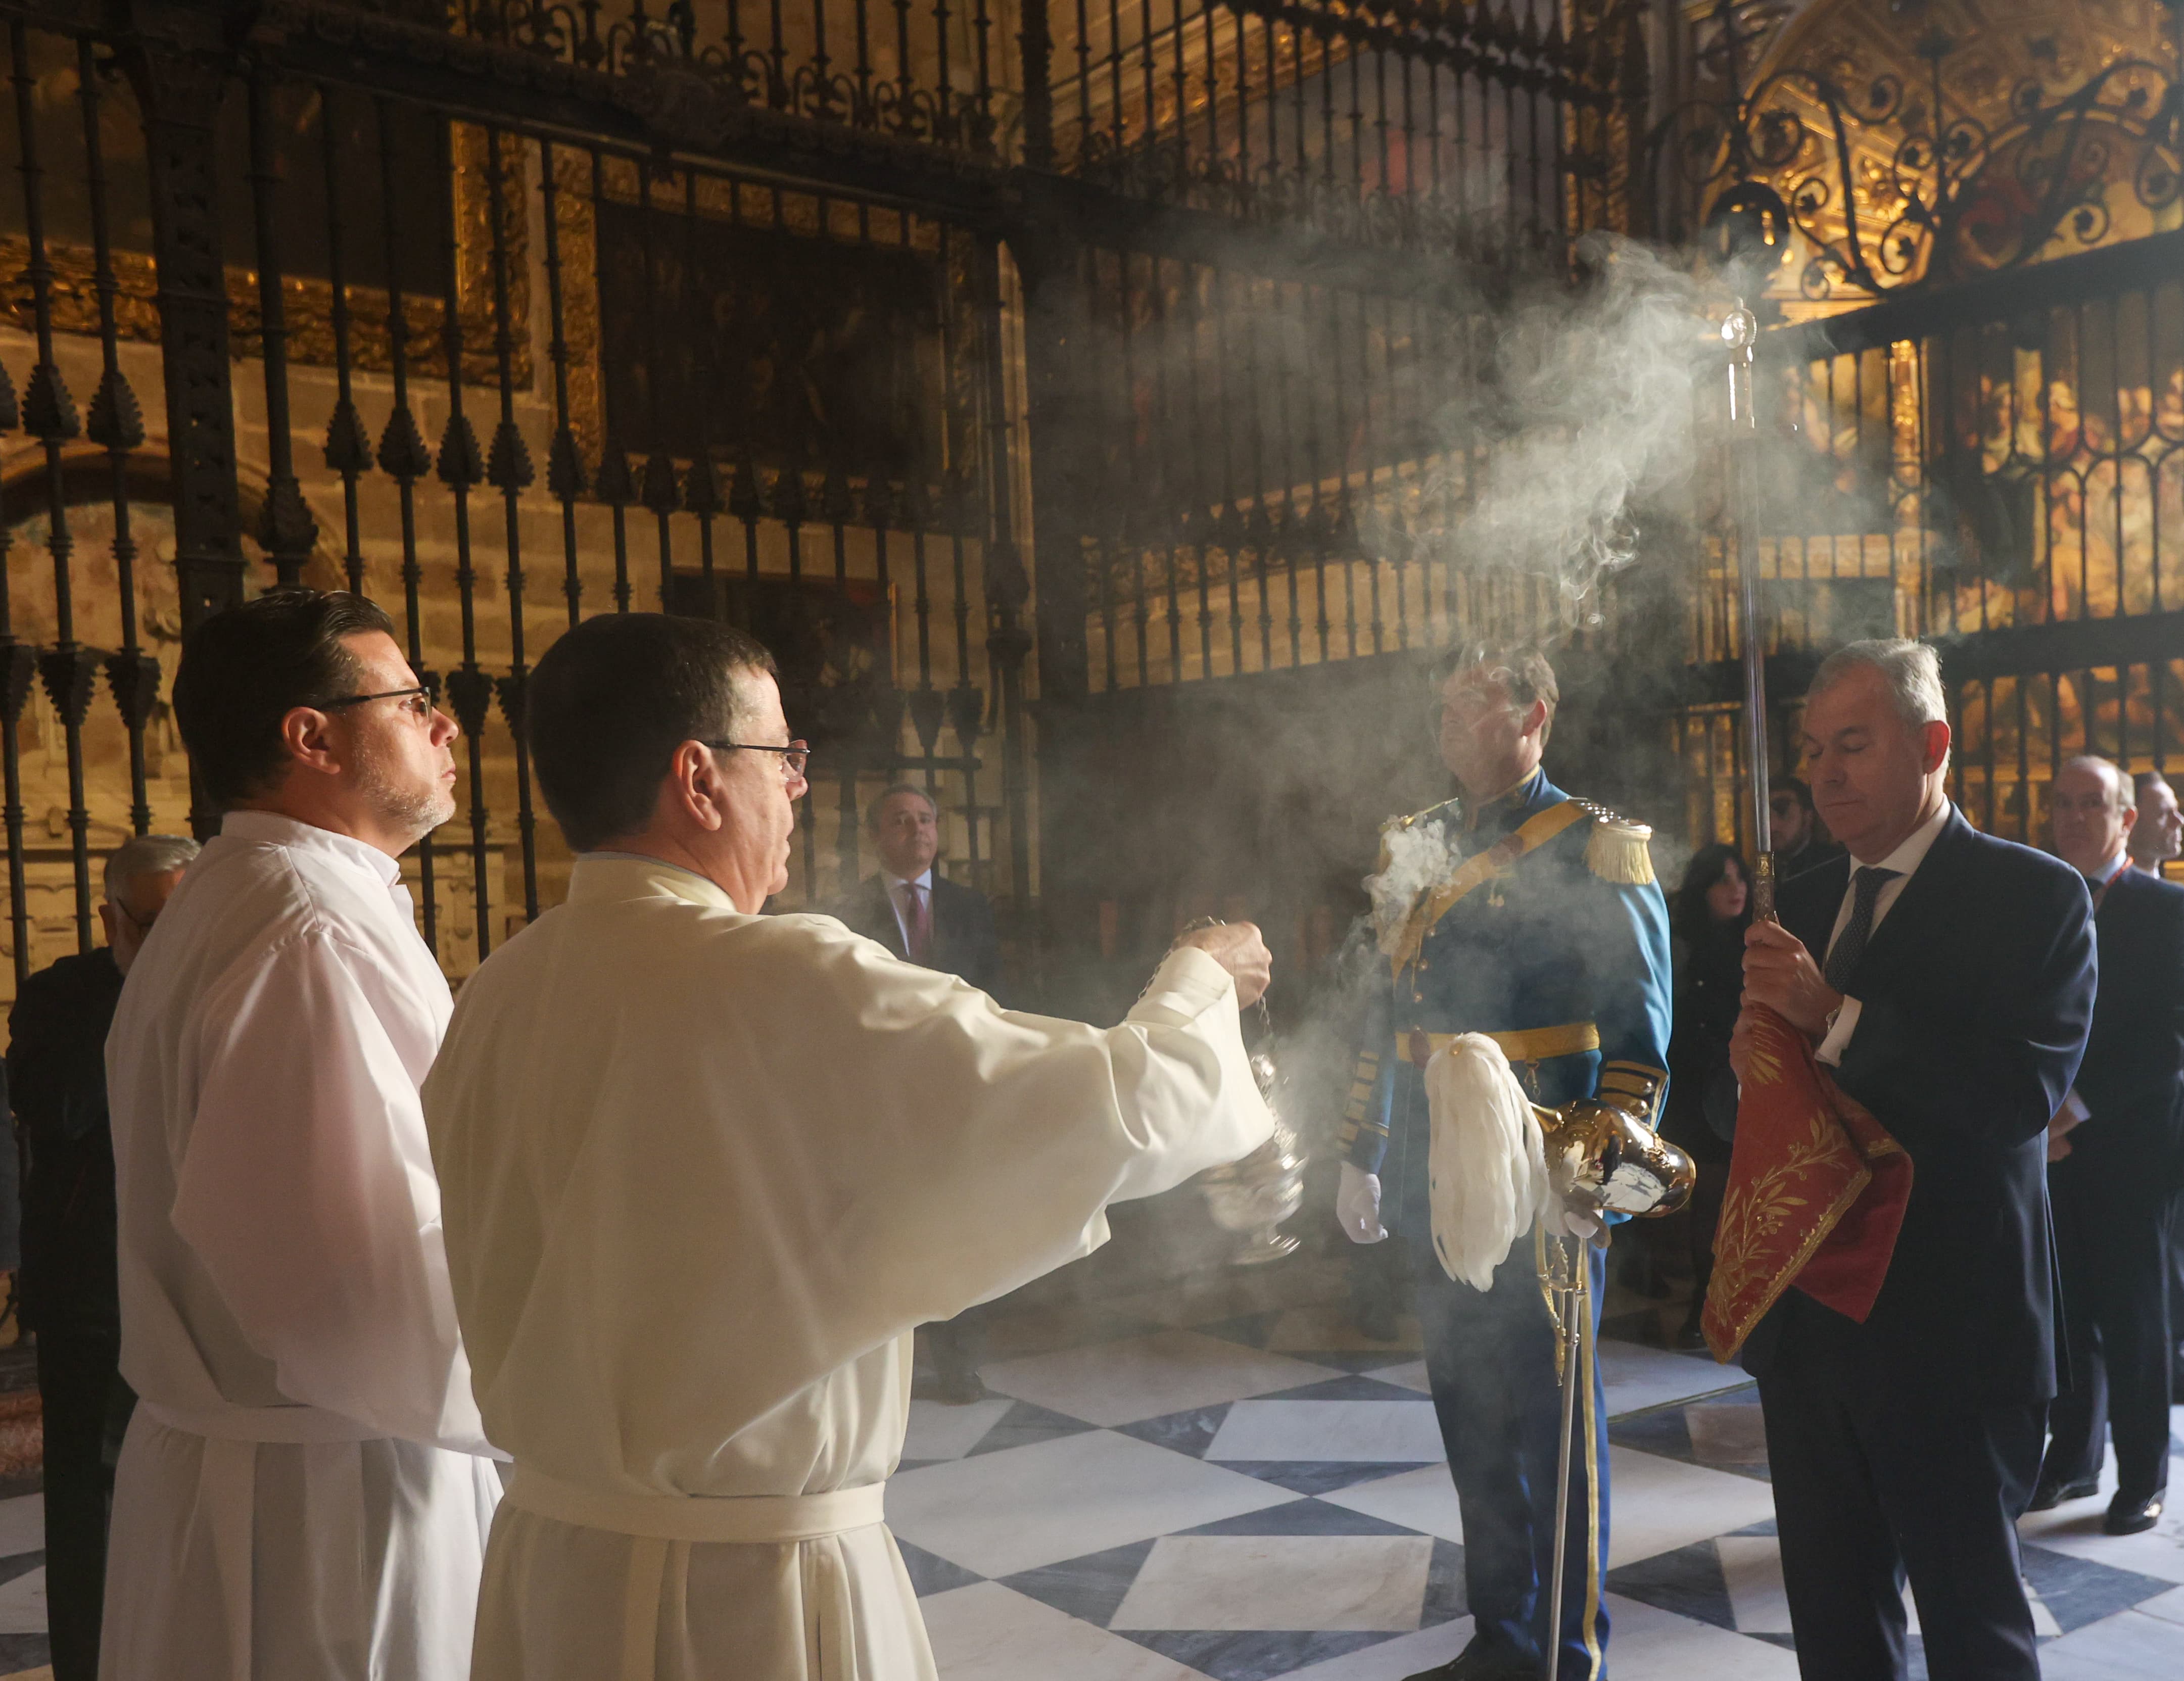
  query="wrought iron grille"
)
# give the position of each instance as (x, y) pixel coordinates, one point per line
(1274, 471)
(927, 73)
(2001, 468)
(1863, 148)
(674, 384)
(1423, 124)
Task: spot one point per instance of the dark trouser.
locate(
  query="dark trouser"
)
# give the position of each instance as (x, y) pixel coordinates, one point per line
(1490, 1359)
(2115, 1255)
(1380, 1276)
(2176, 1287)
(1869, 1488)
(86, 1410)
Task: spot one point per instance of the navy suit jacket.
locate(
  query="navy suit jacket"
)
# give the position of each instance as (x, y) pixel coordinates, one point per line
(1976, 993)
(2132, 1080)
(965, 941)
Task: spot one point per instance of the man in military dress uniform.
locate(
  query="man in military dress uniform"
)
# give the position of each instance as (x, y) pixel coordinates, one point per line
(1521, 913)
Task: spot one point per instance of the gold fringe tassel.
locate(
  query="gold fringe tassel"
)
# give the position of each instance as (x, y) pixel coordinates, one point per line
(1617, 852)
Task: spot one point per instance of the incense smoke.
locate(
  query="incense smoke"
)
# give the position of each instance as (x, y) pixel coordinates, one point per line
(1579, 424)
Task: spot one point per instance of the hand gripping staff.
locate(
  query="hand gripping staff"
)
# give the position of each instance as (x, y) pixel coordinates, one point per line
(1816, 1188)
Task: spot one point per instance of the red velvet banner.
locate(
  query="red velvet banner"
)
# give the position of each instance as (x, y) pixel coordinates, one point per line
(1816, 1193)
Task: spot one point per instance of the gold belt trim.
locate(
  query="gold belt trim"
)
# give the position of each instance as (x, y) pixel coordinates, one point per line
(1527, 1044)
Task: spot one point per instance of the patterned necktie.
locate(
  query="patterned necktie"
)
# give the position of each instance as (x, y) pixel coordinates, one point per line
(1843, 957)
(916, 922)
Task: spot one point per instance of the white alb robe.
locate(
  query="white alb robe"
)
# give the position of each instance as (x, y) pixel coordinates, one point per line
(703, 1172)
(300, 1496)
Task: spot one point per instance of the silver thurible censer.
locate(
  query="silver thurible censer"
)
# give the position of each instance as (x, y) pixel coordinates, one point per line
(1254, 1193)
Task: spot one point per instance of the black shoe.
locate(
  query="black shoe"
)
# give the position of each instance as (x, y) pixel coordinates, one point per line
(1376, 1320)
(2050, 1492)
(958, 1386)
(1691, 1336)
(1476, 1663)
(2130, 1516)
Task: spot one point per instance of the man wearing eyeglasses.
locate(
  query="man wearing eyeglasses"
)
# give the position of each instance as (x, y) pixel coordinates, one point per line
(706, 1169)
(303, 1493)
(57, 1087)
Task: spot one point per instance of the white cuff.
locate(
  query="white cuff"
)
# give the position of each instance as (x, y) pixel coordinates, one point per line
(1186, 985)
(1839, 1032)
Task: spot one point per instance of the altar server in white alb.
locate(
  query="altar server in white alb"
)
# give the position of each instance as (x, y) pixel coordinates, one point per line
(300, 1496)
(705, 1169)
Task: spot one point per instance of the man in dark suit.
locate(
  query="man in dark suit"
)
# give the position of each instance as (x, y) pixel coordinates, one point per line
(2117, 1157)
(2157, 833)
(914, 912)
(1948, 977)
(56, 1083)
(2157, 837)
(941, 924)
(1799, 843)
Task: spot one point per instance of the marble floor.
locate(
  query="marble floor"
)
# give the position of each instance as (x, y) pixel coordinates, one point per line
(23, 1589)
(1227, 1484)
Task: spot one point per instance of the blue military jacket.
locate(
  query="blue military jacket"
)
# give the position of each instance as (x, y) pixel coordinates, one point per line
(1557, 944)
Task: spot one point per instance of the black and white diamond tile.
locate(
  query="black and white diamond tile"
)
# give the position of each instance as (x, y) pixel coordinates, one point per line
(1262, 1495)
(23, 1649)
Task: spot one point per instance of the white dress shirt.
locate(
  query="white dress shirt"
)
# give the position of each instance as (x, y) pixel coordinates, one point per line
(922, 882)
(1904, 861)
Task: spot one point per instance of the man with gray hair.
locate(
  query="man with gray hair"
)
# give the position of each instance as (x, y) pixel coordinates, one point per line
(69, 1295)
(1947, 978)
(2117, 1159)
(917, 913)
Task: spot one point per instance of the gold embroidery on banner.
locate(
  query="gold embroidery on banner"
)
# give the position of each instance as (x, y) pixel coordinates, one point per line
(1752, 1217)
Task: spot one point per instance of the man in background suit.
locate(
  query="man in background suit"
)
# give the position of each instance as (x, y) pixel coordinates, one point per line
(2156, 838)
(934, 923)
(2117, 1159)
(937, 924)
(1948, 977)
(2157, 833)
(1799, 842)
(71, 1296)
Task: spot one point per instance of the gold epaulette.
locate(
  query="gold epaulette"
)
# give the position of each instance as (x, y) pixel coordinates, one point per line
(1616, 851)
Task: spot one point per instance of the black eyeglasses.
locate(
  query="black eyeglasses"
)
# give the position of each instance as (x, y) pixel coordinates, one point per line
(793, 757)
(422, 697)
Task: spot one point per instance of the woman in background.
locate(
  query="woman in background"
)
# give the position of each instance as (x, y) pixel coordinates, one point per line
(1708, 917)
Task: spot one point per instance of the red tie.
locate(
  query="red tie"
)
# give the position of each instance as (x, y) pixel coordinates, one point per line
(917, 919)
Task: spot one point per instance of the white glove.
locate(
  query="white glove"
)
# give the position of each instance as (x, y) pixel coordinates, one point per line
(1357, 1206)
(1562, 1220)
